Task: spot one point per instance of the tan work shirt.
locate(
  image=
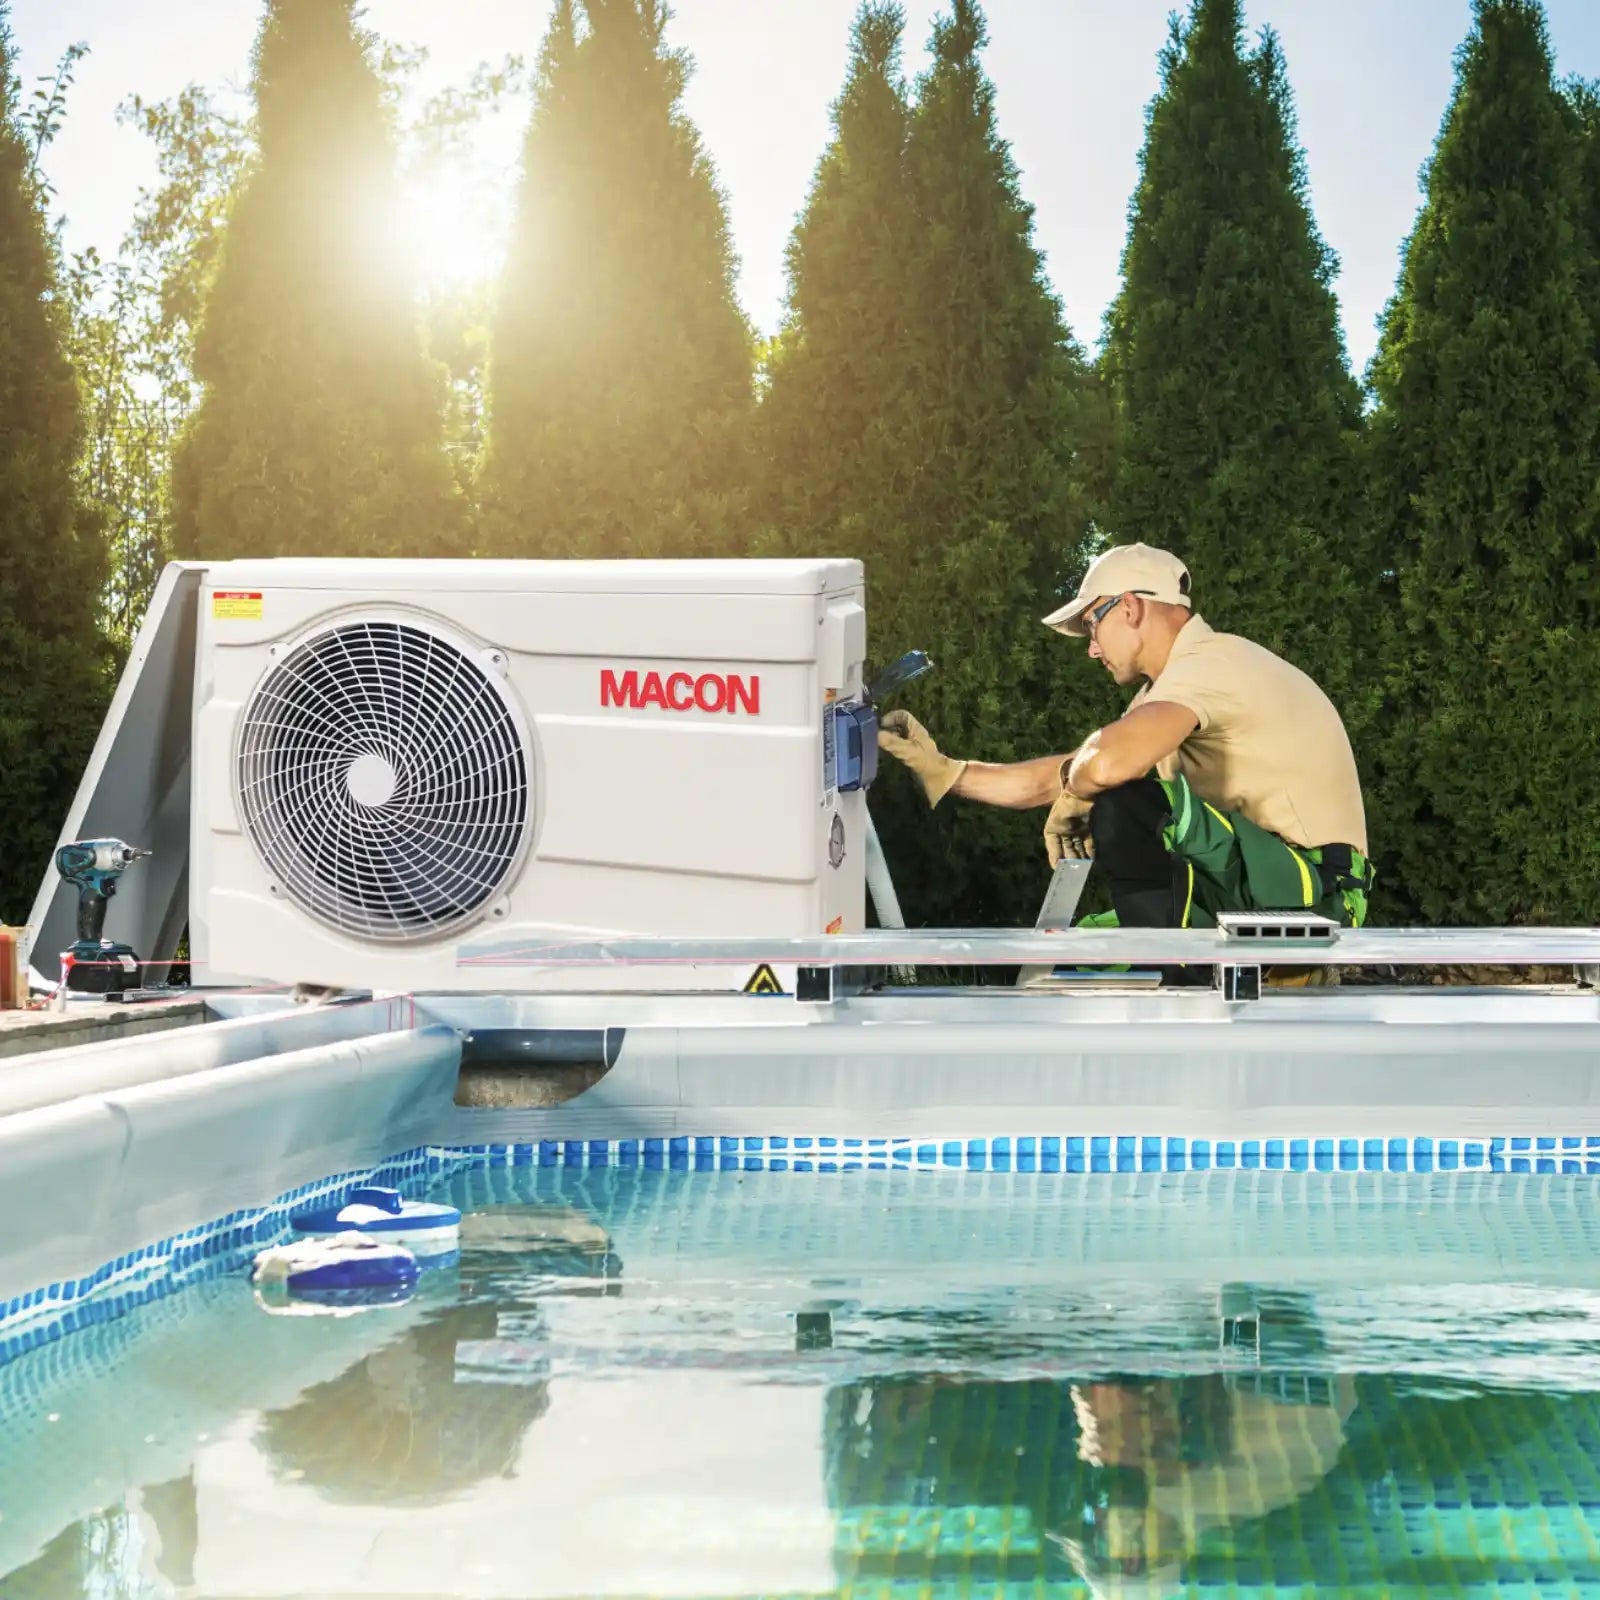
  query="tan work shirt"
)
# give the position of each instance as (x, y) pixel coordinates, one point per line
(1270, 743)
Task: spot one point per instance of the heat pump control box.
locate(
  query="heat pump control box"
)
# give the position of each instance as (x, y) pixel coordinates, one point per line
(392, 757)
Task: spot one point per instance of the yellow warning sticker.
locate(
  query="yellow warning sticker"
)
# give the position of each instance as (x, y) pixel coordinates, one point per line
(236, 605)
(836, 926)
(763, 981)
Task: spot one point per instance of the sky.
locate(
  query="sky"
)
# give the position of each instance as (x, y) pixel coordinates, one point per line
(1073, 78)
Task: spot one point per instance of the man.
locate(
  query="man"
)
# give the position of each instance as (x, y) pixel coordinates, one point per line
(1228, 784)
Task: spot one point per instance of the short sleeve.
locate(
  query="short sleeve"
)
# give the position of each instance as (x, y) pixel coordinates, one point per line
(1198, 683)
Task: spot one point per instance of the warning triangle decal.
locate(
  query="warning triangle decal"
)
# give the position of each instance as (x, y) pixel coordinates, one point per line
(763, 981)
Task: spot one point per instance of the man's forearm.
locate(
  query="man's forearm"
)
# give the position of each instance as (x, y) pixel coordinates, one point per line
(1017, 785)
(1085, 777)
(1136, 743)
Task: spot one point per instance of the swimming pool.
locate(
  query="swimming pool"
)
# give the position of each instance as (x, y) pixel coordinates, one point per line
(641, 1380)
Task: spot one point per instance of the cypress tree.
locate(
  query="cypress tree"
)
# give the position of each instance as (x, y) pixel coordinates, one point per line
(319, 431)
(1583, 99)
(930, 407)
(996, 505)
(56, 660)
(620, 370)
(837, 373)
(1237, 411)
(1485, 448)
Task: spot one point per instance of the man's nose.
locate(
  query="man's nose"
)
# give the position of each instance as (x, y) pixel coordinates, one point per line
(1094, 648)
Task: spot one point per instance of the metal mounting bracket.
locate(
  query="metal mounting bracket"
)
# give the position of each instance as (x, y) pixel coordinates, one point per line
(814, 984)
(1241, 983)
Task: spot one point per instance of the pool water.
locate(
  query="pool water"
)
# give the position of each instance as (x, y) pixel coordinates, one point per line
(640, 1382)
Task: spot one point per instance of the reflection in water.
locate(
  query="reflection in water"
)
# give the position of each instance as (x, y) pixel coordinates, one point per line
(397, 1427)
(1154, 1486)
(744, 1411)
(431, 1413)
(1120, 1477)
(1179, 1459)
(1176, 1460)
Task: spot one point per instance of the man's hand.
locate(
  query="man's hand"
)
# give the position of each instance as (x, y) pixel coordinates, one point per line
(1066, 829)
(903, 737)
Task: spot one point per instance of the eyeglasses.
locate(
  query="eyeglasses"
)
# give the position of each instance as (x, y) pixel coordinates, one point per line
(1101, 612)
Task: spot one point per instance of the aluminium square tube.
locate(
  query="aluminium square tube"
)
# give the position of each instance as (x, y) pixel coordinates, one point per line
(884, 900)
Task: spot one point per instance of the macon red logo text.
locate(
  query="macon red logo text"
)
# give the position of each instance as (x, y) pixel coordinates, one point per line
(681, 691)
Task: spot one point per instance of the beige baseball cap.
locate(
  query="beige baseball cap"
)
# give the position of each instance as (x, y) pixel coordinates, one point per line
(1138, 568)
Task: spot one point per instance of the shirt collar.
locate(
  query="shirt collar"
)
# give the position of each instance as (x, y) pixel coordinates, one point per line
(1190, 635)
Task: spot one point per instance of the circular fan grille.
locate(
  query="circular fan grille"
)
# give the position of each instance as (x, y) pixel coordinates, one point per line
(383, 779)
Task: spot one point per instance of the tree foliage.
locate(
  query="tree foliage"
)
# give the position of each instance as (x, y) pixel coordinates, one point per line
(620, 364)
(1484, 461)
(135, 315)
(133, 324)
(56, 680)
(320, 430)
(928, 410)
(130, 418)
(1238, 417)
(1583, 103)
(204, 151)
(436, 150)
(837, 374)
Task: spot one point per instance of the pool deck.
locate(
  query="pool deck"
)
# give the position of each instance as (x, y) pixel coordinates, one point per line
(92, 1022)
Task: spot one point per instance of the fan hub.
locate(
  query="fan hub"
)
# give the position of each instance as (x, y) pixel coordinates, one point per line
(371, 780)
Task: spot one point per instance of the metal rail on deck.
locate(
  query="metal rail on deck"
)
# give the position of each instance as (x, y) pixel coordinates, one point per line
(1511, 947)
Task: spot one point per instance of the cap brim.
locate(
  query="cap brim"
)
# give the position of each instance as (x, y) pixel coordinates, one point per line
(1069, 618)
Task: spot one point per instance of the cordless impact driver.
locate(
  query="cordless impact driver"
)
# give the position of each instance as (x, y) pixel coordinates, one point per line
(99, 965)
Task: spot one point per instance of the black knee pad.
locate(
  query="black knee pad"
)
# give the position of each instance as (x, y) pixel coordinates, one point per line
(1125, 824)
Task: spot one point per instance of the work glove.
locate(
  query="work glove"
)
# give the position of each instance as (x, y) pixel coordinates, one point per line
(1066, 829)
(903, 737)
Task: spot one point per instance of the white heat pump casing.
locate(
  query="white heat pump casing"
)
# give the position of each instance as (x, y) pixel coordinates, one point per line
(642, 818)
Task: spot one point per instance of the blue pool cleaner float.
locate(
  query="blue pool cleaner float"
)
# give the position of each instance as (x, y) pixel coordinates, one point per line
(427, 1230)
(345, 1271)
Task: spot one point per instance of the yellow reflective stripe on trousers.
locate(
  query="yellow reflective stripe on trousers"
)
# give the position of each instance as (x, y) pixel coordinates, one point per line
(1218, 815)
(1188, 903)
(1305, 875)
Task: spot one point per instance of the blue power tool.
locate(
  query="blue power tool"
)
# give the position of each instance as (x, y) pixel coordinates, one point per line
(897, 675)
(93, 866)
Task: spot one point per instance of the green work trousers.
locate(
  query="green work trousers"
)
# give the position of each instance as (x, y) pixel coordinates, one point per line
(1222, 861)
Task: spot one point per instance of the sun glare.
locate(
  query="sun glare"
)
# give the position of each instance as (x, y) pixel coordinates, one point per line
(452, 231)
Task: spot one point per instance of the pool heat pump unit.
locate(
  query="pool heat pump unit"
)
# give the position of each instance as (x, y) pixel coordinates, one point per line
(391, 757)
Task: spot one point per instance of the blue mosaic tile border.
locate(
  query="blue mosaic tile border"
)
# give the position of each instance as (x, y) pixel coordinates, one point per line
(1085, 1153)
(213, 1249)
